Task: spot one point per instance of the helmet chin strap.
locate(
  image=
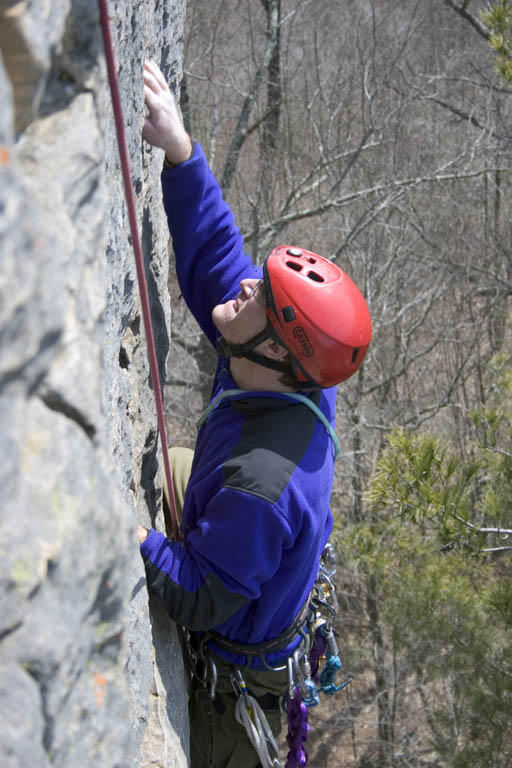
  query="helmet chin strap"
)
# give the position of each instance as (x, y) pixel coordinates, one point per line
(226, 349)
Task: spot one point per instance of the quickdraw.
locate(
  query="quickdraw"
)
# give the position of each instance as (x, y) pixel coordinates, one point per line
(305, 680)
(249, 714)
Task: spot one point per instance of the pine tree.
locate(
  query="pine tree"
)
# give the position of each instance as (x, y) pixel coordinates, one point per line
(498, 18)
(434, 550)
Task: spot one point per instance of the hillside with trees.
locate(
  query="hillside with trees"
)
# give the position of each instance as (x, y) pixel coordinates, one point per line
(379, 133)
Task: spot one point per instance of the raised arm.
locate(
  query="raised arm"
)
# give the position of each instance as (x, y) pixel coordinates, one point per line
(207, 243)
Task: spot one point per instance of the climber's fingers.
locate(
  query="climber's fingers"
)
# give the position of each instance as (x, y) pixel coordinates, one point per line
(163, 126)
(159, 99)
(142, 533)
(162, 119)
(153, 100)
(150, 97)
(154, 84)
(155, 77)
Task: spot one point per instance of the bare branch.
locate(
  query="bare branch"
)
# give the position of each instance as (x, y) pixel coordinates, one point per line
(473, 20)
(466, 116)
(496, 549)
(391, 188)
(240, 133)
(484, 84)
(477, 529)
(500, 451)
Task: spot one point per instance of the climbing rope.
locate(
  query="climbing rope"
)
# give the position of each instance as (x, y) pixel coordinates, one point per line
(136, 243)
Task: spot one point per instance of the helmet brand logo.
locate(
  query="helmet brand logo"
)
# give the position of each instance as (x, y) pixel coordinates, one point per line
(301, 336)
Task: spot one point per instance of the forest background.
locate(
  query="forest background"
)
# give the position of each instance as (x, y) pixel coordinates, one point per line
(378, 133)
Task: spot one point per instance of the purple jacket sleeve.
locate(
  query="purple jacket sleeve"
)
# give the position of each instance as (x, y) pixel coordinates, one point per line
(210, 264)
(207, 243)
(203, 584)
(197, 602)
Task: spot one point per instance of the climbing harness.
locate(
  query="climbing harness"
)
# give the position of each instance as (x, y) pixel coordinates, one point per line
(282, 395)
(317, 644)
(260, 650)
(137, 248)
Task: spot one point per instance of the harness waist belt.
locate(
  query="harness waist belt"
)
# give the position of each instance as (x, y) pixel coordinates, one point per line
(267, 646)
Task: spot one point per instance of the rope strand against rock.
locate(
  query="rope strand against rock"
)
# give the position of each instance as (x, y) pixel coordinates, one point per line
(136, 243)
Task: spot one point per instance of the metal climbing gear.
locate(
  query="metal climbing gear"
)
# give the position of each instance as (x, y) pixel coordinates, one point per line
(325, 639)
(304, 682)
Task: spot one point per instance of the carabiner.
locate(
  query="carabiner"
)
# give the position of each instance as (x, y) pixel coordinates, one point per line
(214, 677)
(242, 687)
(328, 560)
(291, 681)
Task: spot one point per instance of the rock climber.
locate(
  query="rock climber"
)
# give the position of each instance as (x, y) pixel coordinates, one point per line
(254, 495)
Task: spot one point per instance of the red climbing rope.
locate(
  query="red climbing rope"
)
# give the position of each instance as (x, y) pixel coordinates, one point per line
(139, 260)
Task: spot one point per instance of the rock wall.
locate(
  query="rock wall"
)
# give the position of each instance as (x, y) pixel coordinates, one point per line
(89, 676)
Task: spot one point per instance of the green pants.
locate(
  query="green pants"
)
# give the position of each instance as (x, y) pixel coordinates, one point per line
(217, 740)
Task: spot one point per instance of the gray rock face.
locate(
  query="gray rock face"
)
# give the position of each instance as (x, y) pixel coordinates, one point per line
(90, 675)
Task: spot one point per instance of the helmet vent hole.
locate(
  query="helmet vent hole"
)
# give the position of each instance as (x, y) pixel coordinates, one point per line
(311, 260)
(316, 277)
(294, 265)
(354, 354)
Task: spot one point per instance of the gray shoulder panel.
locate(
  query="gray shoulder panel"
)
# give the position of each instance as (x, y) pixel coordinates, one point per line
(275, 437)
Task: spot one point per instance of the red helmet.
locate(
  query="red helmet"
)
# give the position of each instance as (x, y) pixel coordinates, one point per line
(317, 312)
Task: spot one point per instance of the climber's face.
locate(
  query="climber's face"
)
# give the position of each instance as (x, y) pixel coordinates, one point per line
(241, 319)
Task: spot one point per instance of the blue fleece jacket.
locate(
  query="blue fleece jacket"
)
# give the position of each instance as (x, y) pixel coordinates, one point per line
(256, 514)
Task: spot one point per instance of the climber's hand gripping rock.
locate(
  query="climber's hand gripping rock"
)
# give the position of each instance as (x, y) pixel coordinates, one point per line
(142, 533)
(163, 127)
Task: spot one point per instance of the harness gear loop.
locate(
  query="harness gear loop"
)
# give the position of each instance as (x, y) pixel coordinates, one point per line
(137, 249)
(291, 681)
(214, 677)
